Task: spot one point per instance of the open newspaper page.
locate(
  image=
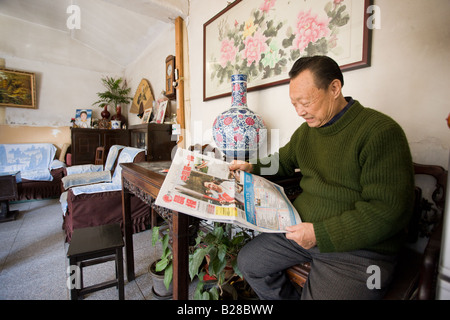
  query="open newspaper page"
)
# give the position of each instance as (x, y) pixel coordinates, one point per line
(205, 187)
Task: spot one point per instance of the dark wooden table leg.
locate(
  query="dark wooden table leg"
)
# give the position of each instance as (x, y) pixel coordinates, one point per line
(180, 256)
(128, 233)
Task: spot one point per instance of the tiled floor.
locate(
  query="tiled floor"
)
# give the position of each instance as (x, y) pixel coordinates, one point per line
(33, 258)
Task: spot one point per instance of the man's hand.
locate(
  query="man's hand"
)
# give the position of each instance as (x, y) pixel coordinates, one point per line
(303, 234)
(241, 165)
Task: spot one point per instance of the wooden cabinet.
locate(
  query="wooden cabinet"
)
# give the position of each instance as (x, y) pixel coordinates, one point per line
(86, 141)
(155, 138)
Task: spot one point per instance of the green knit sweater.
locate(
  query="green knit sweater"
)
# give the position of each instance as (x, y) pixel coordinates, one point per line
(358, 180)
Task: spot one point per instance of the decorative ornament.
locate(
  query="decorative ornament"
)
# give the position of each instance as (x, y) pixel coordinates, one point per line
(238, 132)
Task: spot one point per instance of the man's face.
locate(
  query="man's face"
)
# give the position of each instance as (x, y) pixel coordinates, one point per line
(314, 105)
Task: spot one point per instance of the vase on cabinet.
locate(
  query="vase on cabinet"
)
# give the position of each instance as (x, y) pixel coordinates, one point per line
(239, 132)
(105, 113)
(118, 116)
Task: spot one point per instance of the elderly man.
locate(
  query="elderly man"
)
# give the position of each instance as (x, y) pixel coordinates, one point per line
(357, 194)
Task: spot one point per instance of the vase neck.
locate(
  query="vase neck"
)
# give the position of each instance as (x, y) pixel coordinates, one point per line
(239, 90)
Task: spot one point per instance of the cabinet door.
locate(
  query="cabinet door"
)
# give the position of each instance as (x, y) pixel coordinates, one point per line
(112, 137)
(160, 144)
(84, 143)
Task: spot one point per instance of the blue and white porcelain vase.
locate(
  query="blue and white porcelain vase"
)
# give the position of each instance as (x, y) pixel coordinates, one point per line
(238, 132)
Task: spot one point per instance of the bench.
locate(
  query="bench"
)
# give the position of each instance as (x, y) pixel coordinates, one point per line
(416, 272)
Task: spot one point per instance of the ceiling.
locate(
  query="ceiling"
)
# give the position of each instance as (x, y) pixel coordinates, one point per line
(112, 33)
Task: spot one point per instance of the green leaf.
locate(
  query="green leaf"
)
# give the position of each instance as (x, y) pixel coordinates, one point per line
(162, 264)
(165, 242)
(216, 266)
(235, 267)
(155, 235)
(195, 260)
(168, 274)
(222, 251)
(214, 293)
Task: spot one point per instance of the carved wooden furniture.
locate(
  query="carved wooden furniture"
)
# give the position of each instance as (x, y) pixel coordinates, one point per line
(86, 141)
(416, 273)
(155, 138)
(91, 246)
(145, 180)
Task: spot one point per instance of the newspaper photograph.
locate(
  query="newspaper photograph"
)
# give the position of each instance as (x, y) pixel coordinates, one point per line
(206, 188)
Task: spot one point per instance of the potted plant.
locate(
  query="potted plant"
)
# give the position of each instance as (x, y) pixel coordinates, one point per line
(116, 94)
(162, 269)
(220, 248)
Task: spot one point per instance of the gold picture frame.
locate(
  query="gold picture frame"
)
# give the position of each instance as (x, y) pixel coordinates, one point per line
(17, 89)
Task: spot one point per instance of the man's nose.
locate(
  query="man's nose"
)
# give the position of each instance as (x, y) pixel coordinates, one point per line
(300, 111)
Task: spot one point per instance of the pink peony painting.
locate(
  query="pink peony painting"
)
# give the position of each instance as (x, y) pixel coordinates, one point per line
(263, 38)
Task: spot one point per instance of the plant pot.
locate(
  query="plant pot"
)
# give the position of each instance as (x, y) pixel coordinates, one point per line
(159, 289)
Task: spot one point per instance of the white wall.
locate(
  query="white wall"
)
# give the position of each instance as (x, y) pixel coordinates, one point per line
(60, 91)
(151, 66)
(407, 79)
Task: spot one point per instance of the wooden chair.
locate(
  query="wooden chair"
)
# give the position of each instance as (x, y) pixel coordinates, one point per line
(416, 273)
(100, 155)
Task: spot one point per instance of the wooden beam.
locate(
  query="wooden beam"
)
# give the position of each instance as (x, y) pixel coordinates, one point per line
(180, 66)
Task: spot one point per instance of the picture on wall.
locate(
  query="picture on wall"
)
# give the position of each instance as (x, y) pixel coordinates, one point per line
(263, 39)
(83, 118)
(17, 89)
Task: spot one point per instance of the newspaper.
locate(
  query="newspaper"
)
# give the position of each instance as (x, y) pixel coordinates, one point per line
(204, 187)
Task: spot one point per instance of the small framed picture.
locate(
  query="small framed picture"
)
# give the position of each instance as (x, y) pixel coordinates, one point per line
(146, 116)
(161, 111)
(83, 118)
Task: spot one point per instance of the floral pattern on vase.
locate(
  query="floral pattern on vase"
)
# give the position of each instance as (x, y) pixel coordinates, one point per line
(238, 132)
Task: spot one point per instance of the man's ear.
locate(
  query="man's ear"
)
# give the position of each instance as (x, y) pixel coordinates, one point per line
(335, 87)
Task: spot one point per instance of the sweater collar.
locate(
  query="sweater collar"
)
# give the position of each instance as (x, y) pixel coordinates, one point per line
(350, 101)
(343, 118)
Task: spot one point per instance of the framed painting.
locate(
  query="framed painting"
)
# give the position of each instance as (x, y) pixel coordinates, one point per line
(161, 111)
(83, 118)
(263, 39)
(17, 89)
(146, 116)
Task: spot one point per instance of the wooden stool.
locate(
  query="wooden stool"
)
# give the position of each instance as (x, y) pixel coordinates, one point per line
(91, 246)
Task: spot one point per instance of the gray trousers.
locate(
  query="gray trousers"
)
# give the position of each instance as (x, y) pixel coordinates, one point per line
(333, 276)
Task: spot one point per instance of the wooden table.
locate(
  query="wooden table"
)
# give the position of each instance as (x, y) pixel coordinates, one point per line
(144, 180)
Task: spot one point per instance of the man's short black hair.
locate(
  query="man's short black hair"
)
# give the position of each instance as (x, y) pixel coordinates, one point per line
(324, 69)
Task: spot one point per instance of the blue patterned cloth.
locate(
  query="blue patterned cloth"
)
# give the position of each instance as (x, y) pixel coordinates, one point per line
(32, 160)
(127, 155)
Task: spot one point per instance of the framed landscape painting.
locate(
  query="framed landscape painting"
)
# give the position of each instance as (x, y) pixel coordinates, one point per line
(263, 39)
(17, 89)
